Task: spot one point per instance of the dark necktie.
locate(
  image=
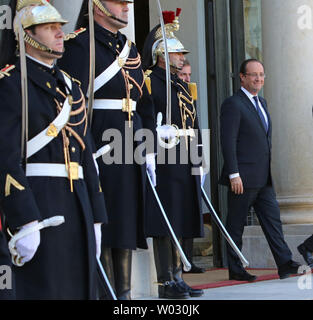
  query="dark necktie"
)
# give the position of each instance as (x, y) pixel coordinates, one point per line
(258, 109)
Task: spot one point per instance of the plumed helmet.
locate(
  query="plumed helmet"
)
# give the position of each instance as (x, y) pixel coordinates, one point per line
(35, 12)
(154, 44)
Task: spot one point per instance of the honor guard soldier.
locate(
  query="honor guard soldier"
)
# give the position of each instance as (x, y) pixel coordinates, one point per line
(121, 103)
(49, 186)
(178, 189)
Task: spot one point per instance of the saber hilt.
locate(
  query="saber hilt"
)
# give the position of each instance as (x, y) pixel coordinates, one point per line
(167, 67)
(49, 222)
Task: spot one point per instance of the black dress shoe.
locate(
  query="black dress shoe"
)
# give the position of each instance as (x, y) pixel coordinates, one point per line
(306, 254)
(194, 269)
(288, 269)
(242, 276)
(170, 290)
(192, 292)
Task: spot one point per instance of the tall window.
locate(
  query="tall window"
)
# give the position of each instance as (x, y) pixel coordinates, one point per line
(253, 29)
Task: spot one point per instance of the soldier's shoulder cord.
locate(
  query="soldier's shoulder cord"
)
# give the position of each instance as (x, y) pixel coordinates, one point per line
(193, 91)
(5, 71)
(148, 80)
(70, 77)
(74, 34)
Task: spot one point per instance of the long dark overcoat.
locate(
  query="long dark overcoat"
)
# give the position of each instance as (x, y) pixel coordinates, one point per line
(123, 181)
(178, 189)
(64, 266)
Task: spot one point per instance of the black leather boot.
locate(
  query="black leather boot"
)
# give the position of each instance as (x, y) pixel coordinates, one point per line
(177, 275)
(107, 263)
(177, 264)
(163, 257)
(122, 261)
(170, 290)
(187, 246)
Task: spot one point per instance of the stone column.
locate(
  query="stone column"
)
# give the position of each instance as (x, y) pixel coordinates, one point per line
(288, 58)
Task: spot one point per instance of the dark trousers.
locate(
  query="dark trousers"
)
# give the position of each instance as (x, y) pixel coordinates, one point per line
(167, 260)
(187, 246)
(308, 243)
(267, 210)
(117, 265)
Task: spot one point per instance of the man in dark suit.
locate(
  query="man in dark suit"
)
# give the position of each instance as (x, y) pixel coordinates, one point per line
(246, 145)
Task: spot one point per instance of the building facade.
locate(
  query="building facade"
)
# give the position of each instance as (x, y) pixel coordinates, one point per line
(220, 34)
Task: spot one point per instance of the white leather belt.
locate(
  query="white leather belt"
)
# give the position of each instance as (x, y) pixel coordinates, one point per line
(114, 104)
(54, 170)
(114, 68)
(187, 132)
(48, 134)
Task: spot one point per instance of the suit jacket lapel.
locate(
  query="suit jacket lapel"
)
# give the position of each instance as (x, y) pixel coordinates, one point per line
(251, 107)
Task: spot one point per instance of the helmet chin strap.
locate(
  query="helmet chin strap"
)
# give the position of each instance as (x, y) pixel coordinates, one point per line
(40, 46)
(102, 7)
(171, 64)
(119, 20)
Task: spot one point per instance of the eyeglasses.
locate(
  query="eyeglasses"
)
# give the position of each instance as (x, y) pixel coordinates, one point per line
(255, 75)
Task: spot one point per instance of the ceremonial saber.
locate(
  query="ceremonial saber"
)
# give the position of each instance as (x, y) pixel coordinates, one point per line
(92, 60)
(167, 67)
(186, 263)
(222, 228)
(24, 90)
(106, 280)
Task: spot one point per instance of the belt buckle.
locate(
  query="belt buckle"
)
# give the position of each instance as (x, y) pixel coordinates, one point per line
(127, 105)
(74, 170)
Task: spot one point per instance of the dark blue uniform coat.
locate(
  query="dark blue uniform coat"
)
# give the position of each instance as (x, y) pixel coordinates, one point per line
(64, 266)
(178, 189)
(123, 183)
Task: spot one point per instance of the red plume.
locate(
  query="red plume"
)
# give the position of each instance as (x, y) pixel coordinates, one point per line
(168, 16)
(178, 11)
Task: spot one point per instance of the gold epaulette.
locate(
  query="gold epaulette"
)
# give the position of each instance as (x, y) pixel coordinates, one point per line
(5, 71)
(148, 80)
(73, 79)
(192, 86)
(74, 34)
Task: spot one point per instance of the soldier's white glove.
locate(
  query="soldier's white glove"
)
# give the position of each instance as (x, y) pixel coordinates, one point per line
(150, 161)
(26, 247)
(98, 235)
(165, 131)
